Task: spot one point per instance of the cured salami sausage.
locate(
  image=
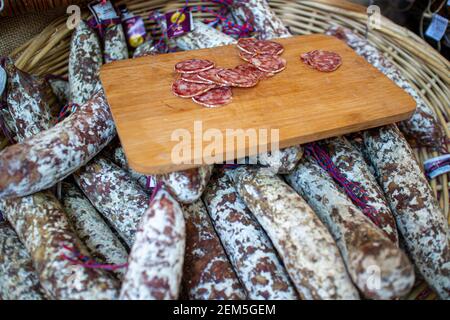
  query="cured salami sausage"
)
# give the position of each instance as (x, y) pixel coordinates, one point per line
(187, 186)
(60, 88)
(307, 249)
(281, 161)
(92, 230)
(207, 273)
(214, 98)
(195, 78)
(120, 159)
(44, 229)
(112, 192)
(156, 259)
(18, 279)
(248, 247)
(184, 89)
(40, 162)
(203, 36)
(266, 23)
(85, 60)
(377, 266)
(352, 166)
(115, 44)
(423, 127)
(193, 66)
(211, 75)
(27, 102)
(146, 49)
(419, 219)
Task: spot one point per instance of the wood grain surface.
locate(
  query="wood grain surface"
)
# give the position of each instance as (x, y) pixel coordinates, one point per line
(304, 104)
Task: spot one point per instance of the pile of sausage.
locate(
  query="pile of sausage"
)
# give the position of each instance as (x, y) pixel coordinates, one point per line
(71, 203)
(210, 86)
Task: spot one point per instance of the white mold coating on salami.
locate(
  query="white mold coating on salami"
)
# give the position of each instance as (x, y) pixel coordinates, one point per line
(307, 249)
(247, 245)
(44, 229)
(120, 159)
(146, 49)
(50, 156)
(207, 272)
(115, 44)
(266, 23)
(85, 60)
(423, 127)
(351, 164)
(376, 265)
(156, 259)
(419, 218)
(112, 192)
(187, 186)
(203, 36)
(61, 90)
(92, 230)
(281, 161)
(18, 279)
(27, 102)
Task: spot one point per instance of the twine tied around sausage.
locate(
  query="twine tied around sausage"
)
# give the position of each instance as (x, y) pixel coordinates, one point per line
(77, 258)
(67, 110)
(353, 189)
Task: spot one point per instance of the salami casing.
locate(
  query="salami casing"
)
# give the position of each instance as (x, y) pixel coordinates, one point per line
(423, 127)
(112, 192)
(207, 272)
(266, 23)
(44, 229)
(18, 279)
(307, 249)
(120, 159)
(187, 186)
(419, 219)
(47, 158)
(92, 230)
(281, 161)
(27, 102)
(85, 60)
(156, 259)
(115, 44)
(352, 166)
(247, 245)
(60, 88)
(146, 49)
(203, 36)
(376, 265)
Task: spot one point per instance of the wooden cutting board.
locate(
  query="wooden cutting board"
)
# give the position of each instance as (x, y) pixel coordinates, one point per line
(304, 104)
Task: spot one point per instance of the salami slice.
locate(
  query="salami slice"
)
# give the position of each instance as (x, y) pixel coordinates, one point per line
(214, 98)
(267, 47)
(248, 45)
(156, 259)
(325, 61)
(193, 66)
(185, 89)
(237, 79)
(246, 56)
(207, 274)
(212, 76)
(269, 63)
(195, 78)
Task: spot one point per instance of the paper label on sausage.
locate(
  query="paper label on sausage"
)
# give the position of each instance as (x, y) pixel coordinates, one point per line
(103, 11)
(437, 27)
(178, 23)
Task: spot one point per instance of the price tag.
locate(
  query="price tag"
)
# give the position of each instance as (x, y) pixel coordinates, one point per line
(178, 23)
(437, 27)
(2, 80)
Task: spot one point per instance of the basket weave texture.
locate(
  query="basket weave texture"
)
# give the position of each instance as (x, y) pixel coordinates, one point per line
(426, 70)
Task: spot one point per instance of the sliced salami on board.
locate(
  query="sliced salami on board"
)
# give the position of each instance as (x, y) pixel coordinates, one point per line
(214, 98)
(184, 89)
(193, 66)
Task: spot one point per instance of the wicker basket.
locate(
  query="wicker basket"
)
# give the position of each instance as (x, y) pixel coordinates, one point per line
(424, 67)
